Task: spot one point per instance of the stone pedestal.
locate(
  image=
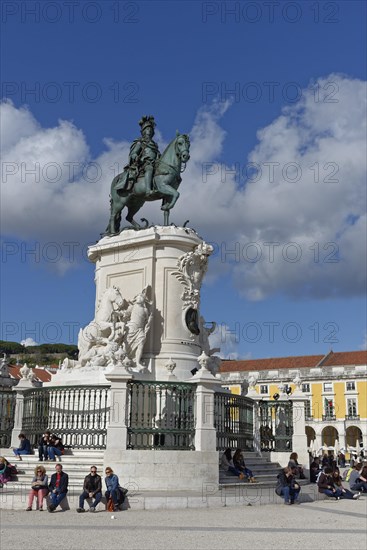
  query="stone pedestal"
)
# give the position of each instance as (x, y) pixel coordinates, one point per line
(22, 386)
(96, 376)
(117, 428)
(205, 432)
(299, 427)
(149, 258)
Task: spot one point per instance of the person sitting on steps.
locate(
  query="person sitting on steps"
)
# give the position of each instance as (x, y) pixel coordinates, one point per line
(39, 488)
(42, 446)
(58, 488)
(228, 466)
(114, 491)
(328, 487)
(55, 447)
(293, 463)
(287, 487)
(358, 478)
(92, 488)
(338, 482)
(239, 464)
(24, 447)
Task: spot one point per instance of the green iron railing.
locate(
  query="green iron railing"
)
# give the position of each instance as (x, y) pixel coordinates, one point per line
(7, 414)
(233, 421)
(161, 415)
(276, 425)
(79, 415)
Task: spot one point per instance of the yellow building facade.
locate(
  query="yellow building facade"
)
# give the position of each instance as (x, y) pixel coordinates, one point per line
(335, 385)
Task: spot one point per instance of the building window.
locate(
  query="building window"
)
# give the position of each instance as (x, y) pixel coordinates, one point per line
(305, 388)
(328, 386)
(352, 407)
(308, 413)
(329, 407)
(351, 386)
(264, 388)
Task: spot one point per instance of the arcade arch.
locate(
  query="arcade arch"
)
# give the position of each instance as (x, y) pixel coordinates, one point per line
(329, 435)
(353, 436)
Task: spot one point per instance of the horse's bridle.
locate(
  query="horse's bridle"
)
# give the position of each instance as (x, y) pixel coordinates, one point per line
(176, 172)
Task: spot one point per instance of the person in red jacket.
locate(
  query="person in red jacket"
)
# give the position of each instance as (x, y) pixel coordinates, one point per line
(58, 487)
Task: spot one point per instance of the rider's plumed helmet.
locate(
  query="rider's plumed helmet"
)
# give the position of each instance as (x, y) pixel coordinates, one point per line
(145, 121)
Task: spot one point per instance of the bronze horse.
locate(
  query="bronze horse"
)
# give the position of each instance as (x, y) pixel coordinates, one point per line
(166, 179)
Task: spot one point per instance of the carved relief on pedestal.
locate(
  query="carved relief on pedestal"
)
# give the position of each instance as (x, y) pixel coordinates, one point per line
(117, 333)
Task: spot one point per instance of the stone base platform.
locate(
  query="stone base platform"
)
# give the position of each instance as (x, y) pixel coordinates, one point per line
(14, 497)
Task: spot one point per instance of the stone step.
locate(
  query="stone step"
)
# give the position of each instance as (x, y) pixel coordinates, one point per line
(76, 454)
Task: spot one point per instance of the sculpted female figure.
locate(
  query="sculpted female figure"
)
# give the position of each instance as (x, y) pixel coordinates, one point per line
(138, 326)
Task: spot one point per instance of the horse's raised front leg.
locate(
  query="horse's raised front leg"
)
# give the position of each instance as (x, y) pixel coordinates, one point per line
(169, 193)
(172, 202)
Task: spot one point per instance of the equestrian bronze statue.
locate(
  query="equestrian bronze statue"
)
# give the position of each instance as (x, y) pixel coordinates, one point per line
(149, 176)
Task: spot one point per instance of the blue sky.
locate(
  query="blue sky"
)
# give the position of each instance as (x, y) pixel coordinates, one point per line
(275, 106)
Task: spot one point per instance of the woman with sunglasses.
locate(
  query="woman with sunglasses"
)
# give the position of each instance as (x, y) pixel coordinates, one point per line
(39, 488)
(113, 492)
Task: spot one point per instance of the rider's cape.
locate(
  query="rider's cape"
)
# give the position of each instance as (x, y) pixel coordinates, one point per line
(127, 178)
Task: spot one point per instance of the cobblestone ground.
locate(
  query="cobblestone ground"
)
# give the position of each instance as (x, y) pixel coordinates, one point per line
(327, 524)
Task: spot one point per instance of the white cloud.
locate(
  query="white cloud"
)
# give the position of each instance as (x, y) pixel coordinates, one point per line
(325, 220)
(28, 342)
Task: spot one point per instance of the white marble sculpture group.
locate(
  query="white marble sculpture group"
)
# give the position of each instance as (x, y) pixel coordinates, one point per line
(117, 333)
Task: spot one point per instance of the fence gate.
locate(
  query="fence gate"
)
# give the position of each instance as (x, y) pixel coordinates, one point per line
(7, 414)
(161, 415)
(276, 425)
(79, 415)
(233, 421)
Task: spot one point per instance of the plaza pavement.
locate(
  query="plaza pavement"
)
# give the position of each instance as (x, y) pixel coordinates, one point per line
(312, 525)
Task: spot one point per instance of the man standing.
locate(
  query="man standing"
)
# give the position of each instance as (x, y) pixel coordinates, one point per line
(143, 155)
(58, 487)
(92, 488)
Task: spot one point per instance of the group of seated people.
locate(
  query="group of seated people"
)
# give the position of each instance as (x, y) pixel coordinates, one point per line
(49, 446)
(7, 471)
(327, 476)
(330, 481)
(57, 489)
(236, 465)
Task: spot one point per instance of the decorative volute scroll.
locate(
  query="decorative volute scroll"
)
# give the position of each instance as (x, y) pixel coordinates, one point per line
(191, 268)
